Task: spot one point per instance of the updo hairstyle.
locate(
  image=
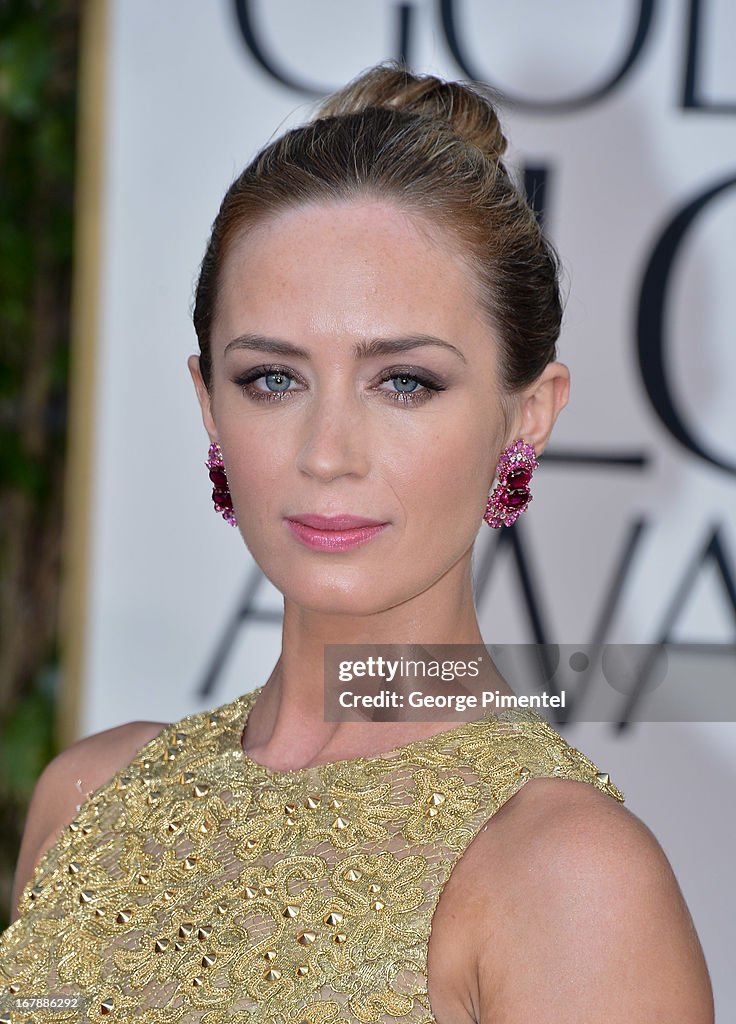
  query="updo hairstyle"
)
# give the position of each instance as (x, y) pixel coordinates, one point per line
(432, 147)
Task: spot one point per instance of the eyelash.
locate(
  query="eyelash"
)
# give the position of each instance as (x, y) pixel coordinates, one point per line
(429, 384)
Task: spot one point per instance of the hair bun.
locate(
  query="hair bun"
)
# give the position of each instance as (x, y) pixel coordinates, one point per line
(468, 108)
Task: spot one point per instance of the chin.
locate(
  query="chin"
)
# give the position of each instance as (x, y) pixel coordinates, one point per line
(330, 593)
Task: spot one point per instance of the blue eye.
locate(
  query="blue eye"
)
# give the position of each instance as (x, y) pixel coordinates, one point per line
(412, 386)
(278, 383)
(405, 382)
(280, 379)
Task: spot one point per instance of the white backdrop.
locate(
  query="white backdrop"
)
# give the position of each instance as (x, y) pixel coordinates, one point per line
(624, 118)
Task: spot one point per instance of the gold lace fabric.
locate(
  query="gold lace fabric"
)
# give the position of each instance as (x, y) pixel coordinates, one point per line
(200, 886)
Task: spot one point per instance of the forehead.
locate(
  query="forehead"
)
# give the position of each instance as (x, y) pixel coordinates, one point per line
(351, 268)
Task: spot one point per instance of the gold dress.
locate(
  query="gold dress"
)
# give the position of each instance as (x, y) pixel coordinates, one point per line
(200, 886)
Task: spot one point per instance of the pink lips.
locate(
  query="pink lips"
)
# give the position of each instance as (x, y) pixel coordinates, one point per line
(334, 533)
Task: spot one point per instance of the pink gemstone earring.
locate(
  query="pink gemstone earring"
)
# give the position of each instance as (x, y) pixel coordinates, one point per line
(511, 494)
(220, 491)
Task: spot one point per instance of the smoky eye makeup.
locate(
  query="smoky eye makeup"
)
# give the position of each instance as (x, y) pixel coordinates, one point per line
(411, 385)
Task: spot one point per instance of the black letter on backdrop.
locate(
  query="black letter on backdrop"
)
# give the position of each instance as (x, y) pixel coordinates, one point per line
(585, 99)
(690, 95)
(269, 65)
(514, 539)
(244, 15)
(244, 613)
(535, 181)
(713, 552)
(535, 190)
(405, 14)
(650, 326)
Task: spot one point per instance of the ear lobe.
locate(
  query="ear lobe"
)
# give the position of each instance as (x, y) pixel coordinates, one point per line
(203, 397)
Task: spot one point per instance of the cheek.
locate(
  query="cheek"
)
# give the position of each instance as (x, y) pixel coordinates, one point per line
(447, 471)
(258, 471)
(458, 458)
(256, 451)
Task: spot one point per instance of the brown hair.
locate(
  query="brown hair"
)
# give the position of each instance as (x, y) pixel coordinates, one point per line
(434, 147)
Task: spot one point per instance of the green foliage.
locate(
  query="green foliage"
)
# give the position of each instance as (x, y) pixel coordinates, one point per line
(27, 741)
(26, 61)
(38, 71)
(27, 744)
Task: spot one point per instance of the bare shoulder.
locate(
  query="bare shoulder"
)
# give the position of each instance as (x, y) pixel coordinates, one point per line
(580, 917)
(78, 770)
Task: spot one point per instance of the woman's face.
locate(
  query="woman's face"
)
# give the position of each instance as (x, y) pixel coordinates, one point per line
(353, 374)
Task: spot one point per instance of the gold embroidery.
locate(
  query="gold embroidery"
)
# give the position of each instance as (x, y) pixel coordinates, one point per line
(200, 886)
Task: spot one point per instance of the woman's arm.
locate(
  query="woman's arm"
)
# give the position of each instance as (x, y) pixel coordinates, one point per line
(91, 761)
(583, 921)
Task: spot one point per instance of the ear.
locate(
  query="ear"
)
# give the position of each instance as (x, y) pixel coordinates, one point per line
(540, 404)
(203, 396)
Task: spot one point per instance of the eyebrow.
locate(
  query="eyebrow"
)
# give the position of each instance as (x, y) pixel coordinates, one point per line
(361, 350)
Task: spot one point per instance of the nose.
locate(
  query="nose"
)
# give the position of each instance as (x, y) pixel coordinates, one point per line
(335, 439)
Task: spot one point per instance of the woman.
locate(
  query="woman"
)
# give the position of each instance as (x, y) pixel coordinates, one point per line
(377, 315)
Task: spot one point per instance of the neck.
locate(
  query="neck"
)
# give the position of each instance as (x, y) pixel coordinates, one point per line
(287, 728)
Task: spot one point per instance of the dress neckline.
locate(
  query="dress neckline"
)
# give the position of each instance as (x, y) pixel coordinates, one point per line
(244, 705)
